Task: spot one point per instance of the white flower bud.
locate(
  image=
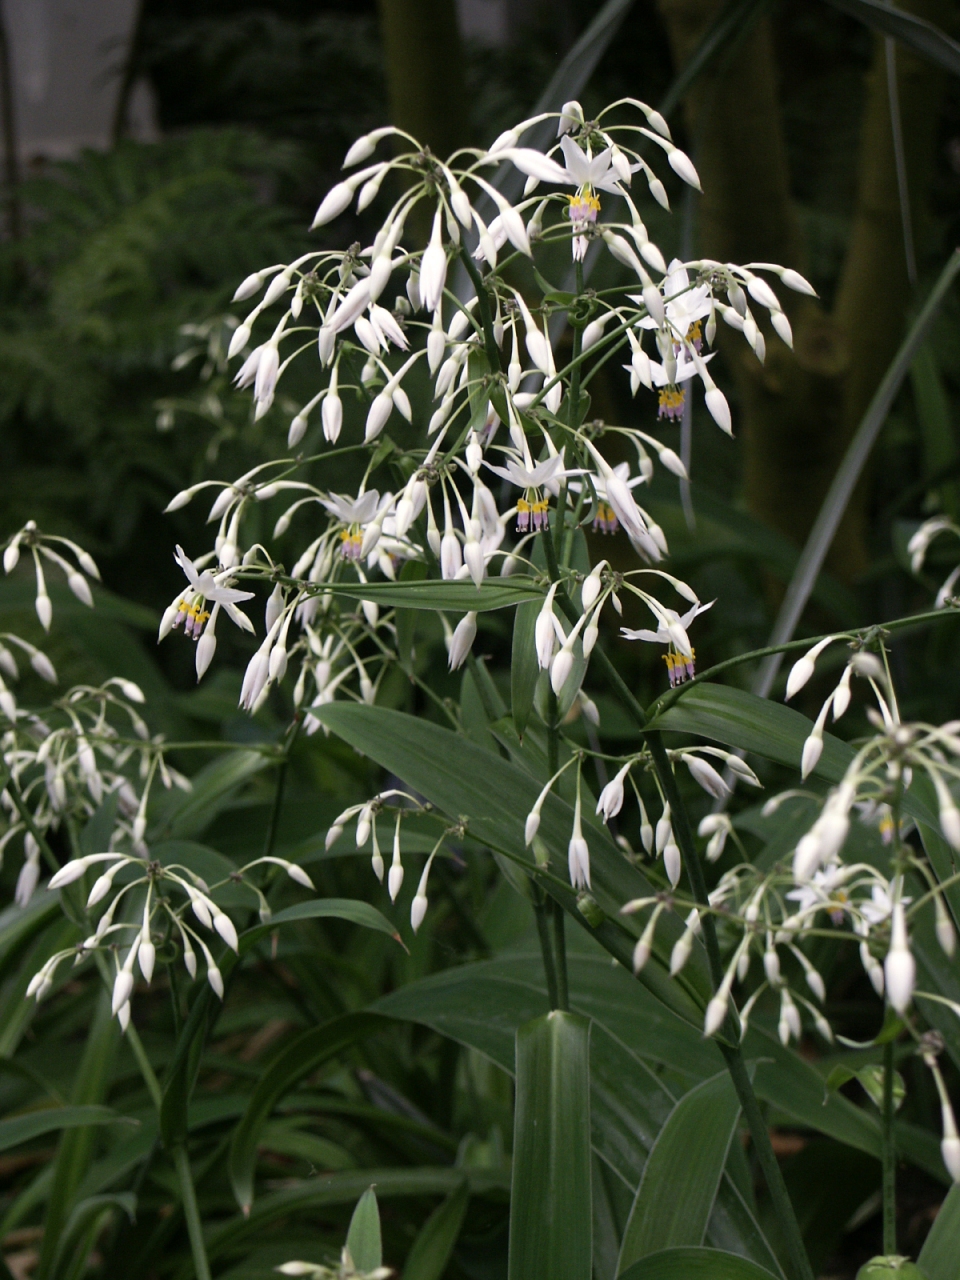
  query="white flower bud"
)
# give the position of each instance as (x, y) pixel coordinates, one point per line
(812, 749)
(333, 204)
(672, 863)
(716, 1012)
(716, 403)
(44, 610)
(122, 989)
(462, 640)
(531, 826)
(146, 958)
(224, 926)
(611, 797)
(899, 968)
(708, 778)
(215, 978)
(946, 934)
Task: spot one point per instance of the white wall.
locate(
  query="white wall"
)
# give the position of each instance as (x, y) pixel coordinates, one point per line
(67, 56)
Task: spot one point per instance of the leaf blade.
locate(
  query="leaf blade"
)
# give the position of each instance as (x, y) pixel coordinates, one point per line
(551, 1220)
(676, 1195)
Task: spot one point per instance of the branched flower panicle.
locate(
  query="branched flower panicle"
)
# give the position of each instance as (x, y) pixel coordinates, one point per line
(505, 410)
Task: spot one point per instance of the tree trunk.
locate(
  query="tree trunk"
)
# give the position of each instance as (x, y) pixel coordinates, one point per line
(425, 72)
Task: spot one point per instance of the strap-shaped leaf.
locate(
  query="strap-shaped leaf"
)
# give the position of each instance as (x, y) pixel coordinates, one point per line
(940, 1256)
(741, 719)
(695, 1264)
(302, 1056)
(434, 1245)
(551, 1214)
(916, 33)
(683, 1172)
(495, 795)
(352, 910)
(524, 668)
(458, 597)
(36, 1123)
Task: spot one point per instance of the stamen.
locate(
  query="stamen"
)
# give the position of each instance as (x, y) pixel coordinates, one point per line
(671, 402)
(605, 521)
(351, 541)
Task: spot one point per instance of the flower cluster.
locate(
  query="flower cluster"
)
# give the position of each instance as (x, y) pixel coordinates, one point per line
(151, 903)
(506, 454)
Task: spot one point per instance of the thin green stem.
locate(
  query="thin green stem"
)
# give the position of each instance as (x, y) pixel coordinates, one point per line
(7, 782)
(143, 1062)
(560, 957)
(889, 1155)
(669, 697)
(191, 1212)
(546, 949)
(483, 303)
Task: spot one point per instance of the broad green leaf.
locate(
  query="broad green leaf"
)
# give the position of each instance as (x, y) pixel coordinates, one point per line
(683, 1172)
(524, 667)
(363, 1237)
(433, 1247)
(633, 1039)
(36, 1123)
(185, 816)
(694, 1264)
(916, 33)
(406, 619)
(551, 1217)
(741, 719)
(350, 909)
(940, 1256)
(458, 597)
(495, 795)
(298, 1059)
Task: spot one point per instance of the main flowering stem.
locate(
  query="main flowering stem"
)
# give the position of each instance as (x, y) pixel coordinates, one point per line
(733, 1056)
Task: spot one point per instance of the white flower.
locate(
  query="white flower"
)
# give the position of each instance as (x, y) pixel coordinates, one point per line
(611, 797)
(205, 588)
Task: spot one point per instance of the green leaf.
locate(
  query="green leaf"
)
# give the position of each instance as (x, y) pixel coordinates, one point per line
(461, 778)
(916, 33)
(298, 1059)
(551, 1218)
(434, 1245)
(35, 1123)
(683, 1171)
(741, 719)
(524, 667)
(406, 619)
(940, 1256)
(344, 1188)
(694, 1264)
(871, 1077)
(363, 1238)
(458, 597)
(187, 815)
(86, 1218)
(350, 909)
